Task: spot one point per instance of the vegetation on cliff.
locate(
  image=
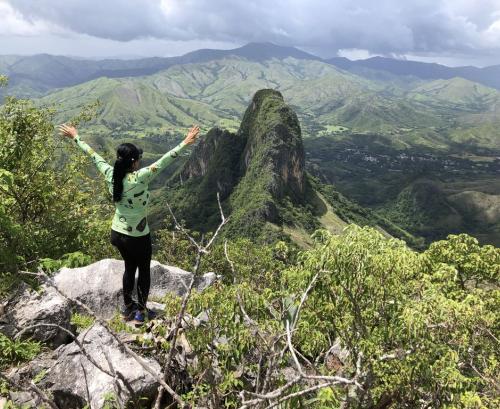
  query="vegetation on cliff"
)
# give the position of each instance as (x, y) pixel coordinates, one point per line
(260, 175)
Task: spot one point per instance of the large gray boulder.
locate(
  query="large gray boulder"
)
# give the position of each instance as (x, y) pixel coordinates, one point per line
(73, 381)
(99, 285)
(30, 308)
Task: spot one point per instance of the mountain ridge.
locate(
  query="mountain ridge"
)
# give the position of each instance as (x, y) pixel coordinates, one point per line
(35, 75)
(370, 137)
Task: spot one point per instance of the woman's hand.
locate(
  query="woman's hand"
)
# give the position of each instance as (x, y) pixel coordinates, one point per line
(68, 131)
(192, 135)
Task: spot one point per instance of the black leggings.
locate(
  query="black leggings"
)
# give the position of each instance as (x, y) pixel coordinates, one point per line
(136, 252)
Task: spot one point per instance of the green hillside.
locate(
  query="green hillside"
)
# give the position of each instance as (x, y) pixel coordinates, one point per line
(456, 93)
(131, 108)
(370, 137)
(215, 93)
(260, 175)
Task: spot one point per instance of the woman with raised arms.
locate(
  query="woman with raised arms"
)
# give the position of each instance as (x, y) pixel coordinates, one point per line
(128, 184)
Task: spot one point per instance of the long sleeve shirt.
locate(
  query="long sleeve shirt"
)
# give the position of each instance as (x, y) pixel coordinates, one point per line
(132, 210)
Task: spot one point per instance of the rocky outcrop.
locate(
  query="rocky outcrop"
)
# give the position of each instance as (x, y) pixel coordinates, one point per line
(30, 308)
(74, 381)
(214, 164)
(98, 285)
(274, 143)
(255, 170)
(269, 139)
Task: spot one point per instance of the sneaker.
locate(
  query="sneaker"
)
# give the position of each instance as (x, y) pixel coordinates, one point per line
(140, 315)
(129, 311)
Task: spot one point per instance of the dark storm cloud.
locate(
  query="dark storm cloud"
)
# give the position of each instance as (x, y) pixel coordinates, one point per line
(382, 26)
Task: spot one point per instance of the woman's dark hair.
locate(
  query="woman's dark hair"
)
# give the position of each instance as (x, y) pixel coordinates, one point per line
(126, 155)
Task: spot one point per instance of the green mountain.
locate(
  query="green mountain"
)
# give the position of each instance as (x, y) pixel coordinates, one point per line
(380, 66)
(456, 93)
(33, 76)
(259, 173)
(372, 137)
(432, 210)
(256, 171)
(132, 108)
(327, 100)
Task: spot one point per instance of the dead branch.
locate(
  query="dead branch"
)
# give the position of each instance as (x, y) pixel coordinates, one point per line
(279, 395)
(201, 250)
(129, 351)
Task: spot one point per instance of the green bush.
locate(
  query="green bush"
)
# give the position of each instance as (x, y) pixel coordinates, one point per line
(420, 337)
(48, 204)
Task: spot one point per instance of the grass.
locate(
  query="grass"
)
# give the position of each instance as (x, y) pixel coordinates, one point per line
(13, 352)
(81, 321)
(335, 129)
(330, 220)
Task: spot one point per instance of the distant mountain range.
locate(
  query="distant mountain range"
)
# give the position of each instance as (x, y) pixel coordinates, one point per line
(412, 142)
(38, 74)
(439, 114)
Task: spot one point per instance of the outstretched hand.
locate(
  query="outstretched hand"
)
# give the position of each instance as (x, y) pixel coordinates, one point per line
(192, 135)
(68, 131)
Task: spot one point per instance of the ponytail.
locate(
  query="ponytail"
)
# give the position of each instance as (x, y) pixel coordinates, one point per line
(119, 172)
(126, 154)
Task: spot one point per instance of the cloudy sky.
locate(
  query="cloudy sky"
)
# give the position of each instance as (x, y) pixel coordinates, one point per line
(453, 32)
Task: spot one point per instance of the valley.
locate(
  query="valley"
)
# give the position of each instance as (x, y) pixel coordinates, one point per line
(374, 135)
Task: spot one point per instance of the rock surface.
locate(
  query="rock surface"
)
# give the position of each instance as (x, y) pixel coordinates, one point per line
(74, 381)
(99, 285)
(31, 308)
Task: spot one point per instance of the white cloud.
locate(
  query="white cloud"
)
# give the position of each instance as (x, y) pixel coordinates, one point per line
(355, 53)
(492, 34)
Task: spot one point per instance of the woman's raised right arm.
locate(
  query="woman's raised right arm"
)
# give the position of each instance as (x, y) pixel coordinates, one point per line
(104, 167)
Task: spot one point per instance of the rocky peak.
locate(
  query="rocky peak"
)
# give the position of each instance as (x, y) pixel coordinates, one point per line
(274, 143)
(269, 140)
(214, 163)
(255, 171)
(199, 161)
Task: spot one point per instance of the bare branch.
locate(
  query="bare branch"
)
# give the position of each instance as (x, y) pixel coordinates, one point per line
(87, 392)
(303, 299)
(279, 394)
(129, 351)
(224, 220)
(201, 250)
(179, 227)
(300, 393)
(268, 396)
(396, 355)
(292, 350)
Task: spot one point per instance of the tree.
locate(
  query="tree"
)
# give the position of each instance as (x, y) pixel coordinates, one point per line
(422, 336)
(48, 205)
